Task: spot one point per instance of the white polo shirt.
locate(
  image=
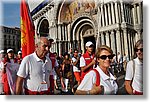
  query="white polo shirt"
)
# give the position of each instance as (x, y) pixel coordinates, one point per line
(31, 69)
(108, 82)
(137, 83)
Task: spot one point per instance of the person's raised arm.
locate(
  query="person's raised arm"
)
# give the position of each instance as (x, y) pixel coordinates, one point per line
(88, 66)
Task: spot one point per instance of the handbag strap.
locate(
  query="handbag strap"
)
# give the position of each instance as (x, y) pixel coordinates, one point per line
(97, 77)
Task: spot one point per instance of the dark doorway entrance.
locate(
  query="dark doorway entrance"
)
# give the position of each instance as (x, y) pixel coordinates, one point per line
(44, 28)
(90, 38)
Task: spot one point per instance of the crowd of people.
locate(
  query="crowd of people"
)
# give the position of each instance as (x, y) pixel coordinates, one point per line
(92, 72)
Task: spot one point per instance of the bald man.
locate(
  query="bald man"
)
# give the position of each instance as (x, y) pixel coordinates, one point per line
(35, 70)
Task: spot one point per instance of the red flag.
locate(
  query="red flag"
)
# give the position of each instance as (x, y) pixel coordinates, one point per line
(27, 30)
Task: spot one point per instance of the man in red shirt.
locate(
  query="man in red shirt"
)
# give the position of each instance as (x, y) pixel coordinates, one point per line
(87, 59)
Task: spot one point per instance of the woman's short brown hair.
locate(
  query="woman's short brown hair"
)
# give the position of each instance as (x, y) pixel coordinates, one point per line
(103, 47)
(137, 44)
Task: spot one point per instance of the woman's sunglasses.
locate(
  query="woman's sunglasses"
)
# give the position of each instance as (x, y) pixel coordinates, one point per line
(136, 50)
(104, 57)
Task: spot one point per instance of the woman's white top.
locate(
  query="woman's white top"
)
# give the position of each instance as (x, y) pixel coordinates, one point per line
(108, 82)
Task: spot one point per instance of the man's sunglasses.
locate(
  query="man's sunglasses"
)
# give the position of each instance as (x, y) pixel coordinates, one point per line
(104, 57)
(136, 50)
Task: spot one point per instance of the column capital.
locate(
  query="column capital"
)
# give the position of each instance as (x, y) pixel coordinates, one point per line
(112, 31)
(107, 31)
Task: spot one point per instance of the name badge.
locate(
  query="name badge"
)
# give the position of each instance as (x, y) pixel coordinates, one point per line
(43, 86)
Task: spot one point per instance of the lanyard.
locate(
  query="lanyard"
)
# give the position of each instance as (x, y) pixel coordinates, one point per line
(44, 72)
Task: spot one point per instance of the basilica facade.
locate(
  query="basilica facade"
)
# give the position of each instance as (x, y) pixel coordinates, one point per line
(71, 23)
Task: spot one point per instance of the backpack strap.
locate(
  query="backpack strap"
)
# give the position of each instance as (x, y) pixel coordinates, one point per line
(133, 68)
(97, 77)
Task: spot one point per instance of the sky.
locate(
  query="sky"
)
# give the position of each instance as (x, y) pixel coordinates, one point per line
(10, 12)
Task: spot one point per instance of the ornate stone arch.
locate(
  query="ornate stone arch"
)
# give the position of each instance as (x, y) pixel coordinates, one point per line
(84, 18)
(43, 26)
(79, 26)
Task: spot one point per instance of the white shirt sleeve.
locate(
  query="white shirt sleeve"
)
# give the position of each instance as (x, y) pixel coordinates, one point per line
(24, 67)
(82, 62)
(88, 81)
(129, 71)
(73, 60)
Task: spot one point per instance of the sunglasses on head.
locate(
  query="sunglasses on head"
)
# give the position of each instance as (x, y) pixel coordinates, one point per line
(104, 57)
(136, 50)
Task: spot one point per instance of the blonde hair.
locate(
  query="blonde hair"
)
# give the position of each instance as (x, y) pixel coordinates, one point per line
(103, 47)
(137, 44)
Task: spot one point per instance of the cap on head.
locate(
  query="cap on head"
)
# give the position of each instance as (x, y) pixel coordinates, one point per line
(89, 43)
(9, 50)
(19, 52)
(1, 51)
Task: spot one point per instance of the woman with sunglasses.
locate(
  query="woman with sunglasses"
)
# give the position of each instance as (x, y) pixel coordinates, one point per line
(107, 81)
(134, 71)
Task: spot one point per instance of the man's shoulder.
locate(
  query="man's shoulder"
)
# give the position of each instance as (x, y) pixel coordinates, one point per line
(28, 57)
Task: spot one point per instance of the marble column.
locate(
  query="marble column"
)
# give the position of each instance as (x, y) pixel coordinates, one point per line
(136, 37)
(106, 17)
(99, 17)
(102, 38)
(130, 45)
(139, 14)
(130, 15)
(59, 39)
(118, 38)
(127, 16)
(103, 18)
(63, 32)
(125, 34)
(56, 47)
(109, 14)
(135, 14)
(113, 14)
(60, 50)
(59, 32)
(116, 12)
(112, 35)
(82, 42)
(107, 39)
(123, 12)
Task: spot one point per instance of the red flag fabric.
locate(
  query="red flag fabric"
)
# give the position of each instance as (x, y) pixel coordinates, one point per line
(27, 30)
